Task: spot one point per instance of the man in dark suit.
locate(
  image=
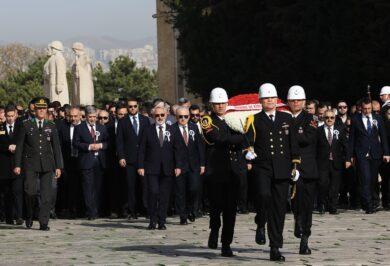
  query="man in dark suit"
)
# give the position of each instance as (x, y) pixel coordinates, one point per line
(188, 182)
(11, 186)
(159, 159)
(71, 176)
(368, 144)
(384, 170)
(272, 135)
(38, 151)
(129, 132)
(91, 140)
(331, 152)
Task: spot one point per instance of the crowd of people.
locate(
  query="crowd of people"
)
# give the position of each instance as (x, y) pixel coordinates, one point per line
(158, 159)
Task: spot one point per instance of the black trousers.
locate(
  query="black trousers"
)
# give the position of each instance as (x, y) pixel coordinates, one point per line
(243, 191)
(133, 189)
(303, 203)
(115, 178)
(44, 179)
(159, 190)
(92, 180)
(368, 173)
(11, 191)
(270, 203)
(74, 187)
(186, 193)
(329, 186)
(384, 171)
(223, 200)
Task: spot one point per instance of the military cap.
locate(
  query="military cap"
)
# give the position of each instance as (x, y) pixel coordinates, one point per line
(41, 102)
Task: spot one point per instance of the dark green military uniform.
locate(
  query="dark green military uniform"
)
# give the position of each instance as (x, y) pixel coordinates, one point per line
(38, 153)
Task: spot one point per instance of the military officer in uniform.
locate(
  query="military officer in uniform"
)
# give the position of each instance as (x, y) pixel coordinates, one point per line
(275, 152)
(223, 146)
(305, 128)
(38, 153)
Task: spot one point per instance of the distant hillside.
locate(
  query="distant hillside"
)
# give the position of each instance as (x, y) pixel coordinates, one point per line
(106, 42)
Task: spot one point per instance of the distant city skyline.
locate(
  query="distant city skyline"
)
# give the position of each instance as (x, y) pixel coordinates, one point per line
(41, 21)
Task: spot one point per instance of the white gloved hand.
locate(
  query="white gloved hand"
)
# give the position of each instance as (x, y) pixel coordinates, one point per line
(295, 175)
(250, 155)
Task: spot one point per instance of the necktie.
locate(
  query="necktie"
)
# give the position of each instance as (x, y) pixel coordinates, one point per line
(369, 127)
(185, 135)
(161, 135)
(135, 125)
(93, 133)
(11, 131)
(330, 136)
(40, 125)
(271, 117)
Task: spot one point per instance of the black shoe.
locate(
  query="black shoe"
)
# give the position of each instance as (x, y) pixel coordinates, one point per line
(162, 227)
(44, 227)
(19, 221)
(321, 209)
(297, 230)
(91, 218)
(183, 221)
(303, 247)
(275, 255)
(152, 226)
(369, 211)
(191, 217)
(113, 215)
(29, 223)
(226, 251)
(333, 211)
(213, 239)
(260, 236)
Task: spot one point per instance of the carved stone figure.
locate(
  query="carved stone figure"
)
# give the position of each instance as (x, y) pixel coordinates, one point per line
(54, 74)
(83, 91)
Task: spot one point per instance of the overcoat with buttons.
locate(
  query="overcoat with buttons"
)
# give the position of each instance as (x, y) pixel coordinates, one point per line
(38, 150)
(274, 143)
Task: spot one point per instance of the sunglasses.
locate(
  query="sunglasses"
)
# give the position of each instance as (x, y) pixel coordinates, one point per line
(103, 117)
(329, 117)
(83, 116)
(183, 116)
(132, 106)
(343, 107)
(159, 115)
(195, 115)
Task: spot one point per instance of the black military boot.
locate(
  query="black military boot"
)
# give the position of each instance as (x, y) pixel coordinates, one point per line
(303, 247)
(260, 236)
(226, 251)
(213, 239)
(275, 255)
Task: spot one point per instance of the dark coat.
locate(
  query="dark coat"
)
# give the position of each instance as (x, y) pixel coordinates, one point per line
(82, 139)
(338, 148)
(193, 153)
(362, 143)
(36, 150)
(7, 163)
(154, 158)
(127, 141)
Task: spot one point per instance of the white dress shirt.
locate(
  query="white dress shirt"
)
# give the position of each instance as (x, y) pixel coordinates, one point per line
(164, 126)
(136, 119)
(13, 127)
(327, 131)
(271, 113)
(364, 117)
(37, 121)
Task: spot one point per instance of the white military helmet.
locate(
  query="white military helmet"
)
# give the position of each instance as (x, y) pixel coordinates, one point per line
(218, 95)
(385, 90)
(296, 93)
(267, 90)
(78, 46)
(57, 45)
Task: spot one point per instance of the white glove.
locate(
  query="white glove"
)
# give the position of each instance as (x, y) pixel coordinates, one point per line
(250, 155)
(296, 176)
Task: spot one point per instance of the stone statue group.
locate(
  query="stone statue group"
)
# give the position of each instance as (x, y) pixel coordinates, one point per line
(54, 72)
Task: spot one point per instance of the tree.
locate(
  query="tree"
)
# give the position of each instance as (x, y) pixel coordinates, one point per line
(331, 48)
(123, 80)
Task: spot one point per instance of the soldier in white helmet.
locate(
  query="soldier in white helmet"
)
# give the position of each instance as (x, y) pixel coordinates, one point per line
(305, 127)
(223, 161)
(271, 135)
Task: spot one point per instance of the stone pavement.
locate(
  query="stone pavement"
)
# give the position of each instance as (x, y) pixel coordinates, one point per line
(351, 238)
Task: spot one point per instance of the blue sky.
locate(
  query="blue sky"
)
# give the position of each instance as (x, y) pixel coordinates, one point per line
(38, 21)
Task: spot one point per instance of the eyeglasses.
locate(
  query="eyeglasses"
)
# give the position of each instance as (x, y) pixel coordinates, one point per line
(195, 115)
(83, 116)
(342, 107)
(183, 116)
(329, 117)
(132, 106)
(159, 115)
(103, 117)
